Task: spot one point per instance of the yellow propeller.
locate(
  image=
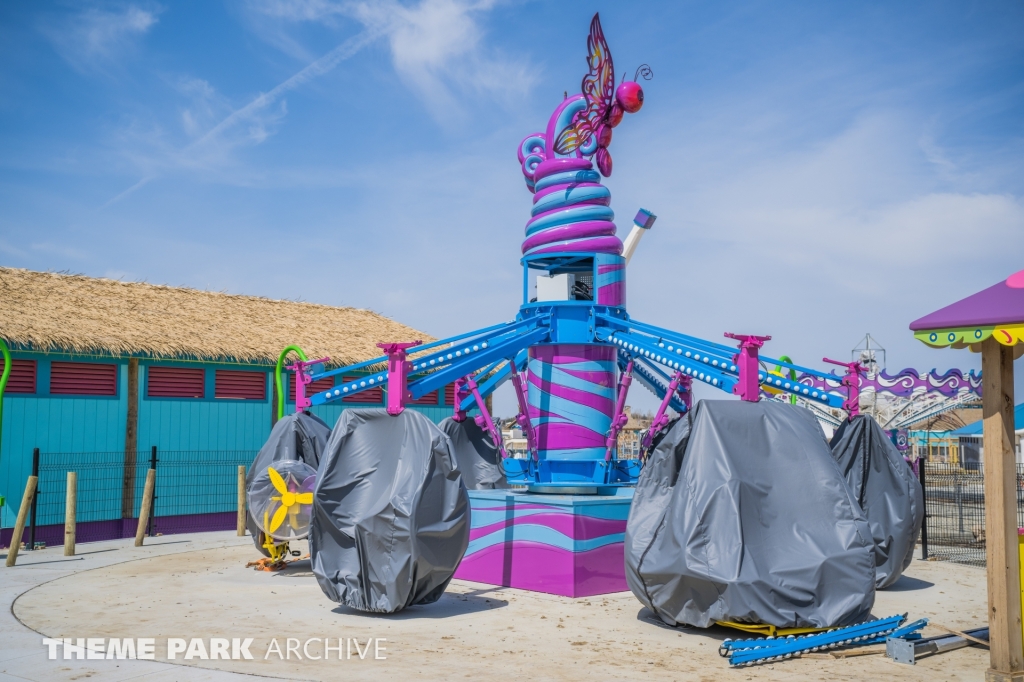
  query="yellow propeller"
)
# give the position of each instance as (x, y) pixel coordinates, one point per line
(289, 500)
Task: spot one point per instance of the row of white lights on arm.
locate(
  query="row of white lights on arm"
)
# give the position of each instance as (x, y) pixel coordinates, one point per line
(706, 378)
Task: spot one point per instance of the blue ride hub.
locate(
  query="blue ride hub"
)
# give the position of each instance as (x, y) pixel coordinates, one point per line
(573, 377)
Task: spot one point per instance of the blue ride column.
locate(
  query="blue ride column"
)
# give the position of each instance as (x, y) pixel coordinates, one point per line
(565, 534)
(572, 380)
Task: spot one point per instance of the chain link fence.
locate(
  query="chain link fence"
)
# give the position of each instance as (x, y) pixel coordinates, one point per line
(196, 490)
(955, 511)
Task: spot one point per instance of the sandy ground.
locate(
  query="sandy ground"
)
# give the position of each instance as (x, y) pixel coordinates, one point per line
(474, 632)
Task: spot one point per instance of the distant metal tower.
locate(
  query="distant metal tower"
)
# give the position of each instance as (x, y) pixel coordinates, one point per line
(867, 352)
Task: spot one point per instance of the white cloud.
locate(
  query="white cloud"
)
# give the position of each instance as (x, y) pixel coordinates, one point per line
(93, 38)
(436, 46)
(300, 10)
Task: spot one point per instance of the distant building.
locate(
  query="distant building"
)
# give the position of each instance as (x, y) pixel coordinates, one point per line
(969, 440)
(102, 366)
(632, 433)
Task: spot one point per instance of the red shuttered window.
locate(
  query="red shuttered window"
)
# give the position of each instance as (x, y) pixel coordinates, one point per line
(240, 384)
(82, 378)
(449, 394)
(315, 387)
(427, 399)
(370, 395)
(22, 378)
(175, 382)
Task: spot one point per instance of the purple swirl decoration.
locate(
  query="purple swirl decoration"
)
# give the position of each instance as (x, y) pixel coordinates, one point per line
(907, 382)
(571, 208)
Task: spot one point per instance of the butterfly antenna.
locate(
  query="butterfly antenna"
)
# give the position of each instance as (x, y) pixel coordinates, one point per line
(643, 71)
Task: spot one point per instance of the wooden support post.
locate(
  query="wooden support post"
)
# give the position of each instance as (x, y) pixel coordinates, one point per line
(147, 506)
(131, 441)
(19, 525)
(241, 500)
(1006, 646)
(70, 512)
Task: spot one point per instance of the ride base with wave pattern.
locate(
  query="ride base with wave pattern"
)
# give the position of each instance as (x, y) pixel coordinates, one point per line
(570, 545)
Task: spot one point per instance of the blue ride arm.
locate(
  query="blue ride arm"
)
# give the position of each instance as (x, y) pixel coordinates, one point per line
(497, 379)
(648, 376)
(705, 361)
(460, 367)
(475, 349)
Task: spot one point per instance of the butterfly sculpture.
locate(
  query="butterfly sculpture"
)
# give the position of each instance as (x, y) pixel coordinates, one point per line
(605, 103)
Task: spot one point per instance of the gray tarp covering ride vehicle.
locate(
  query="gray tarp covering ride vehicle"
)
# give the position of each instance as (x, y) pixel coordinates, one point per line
(886, 489)
(390, 512)
(475, 454)
(301, 436)
(742, 515)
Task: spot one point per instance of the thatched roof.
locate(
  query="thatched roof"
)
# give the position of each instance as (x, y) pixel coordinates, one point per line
(46, 311)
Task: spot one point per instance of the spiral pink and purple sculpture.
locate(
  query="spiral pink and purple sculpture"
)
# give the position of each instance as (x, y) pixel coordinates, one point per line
(570, 205)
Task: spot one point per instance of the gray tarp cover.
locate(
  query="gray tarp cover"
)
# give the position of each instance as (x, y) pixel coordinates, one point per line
(390, 512)
(741, 514)
(885, 487)
(475, 454)
(301, 436)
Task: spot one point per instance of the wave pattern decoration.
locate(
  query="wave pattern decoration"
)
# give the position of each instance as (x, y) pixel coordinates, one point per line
(572, 548)
(611, 280)
(907, 382)
(571, 399)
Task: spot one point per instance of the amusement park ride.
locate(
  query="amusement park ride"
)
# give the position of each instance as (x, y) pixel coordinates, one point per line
(572, 349)
(571, 353)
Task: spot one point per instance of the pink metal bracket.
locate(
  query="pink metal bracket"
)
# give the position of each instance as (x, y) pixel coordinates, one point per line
(398, 372)
(303, 379)
(686, 391)
(852, 382)
(620, 418)
(483, 420)
(523, 418)
(749, 386)
(459, 414)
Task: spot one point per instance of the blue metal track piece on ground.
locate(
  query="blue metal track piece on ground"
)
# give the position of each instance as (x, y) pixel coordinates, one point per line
(770, 649)
(905, 632)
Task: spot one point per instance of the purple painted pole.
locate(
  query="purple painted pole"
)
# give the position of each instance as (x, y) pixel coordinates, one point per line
(523, 418)
(852, 382)
(749, 386)
(398, 369)
(620, 419)
(660, 419)
(484, 418)
(303, 379)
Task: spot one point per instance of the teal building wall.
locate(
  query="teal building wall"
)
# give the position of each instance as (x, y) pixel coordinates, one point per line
(95, 427)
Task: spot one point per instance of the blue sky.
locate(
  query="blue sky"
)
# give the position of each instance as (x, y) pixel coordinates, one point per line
(820, 170)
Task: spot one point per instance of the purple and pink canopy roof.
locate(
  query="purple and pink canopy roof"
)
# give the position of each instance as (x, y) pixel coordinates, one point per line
(997, 311)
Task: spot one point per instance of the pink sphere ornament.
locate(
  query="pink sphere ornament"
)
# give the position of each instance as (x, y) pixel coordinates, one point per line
(630, 96)
(604, 162)
(615, 115)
